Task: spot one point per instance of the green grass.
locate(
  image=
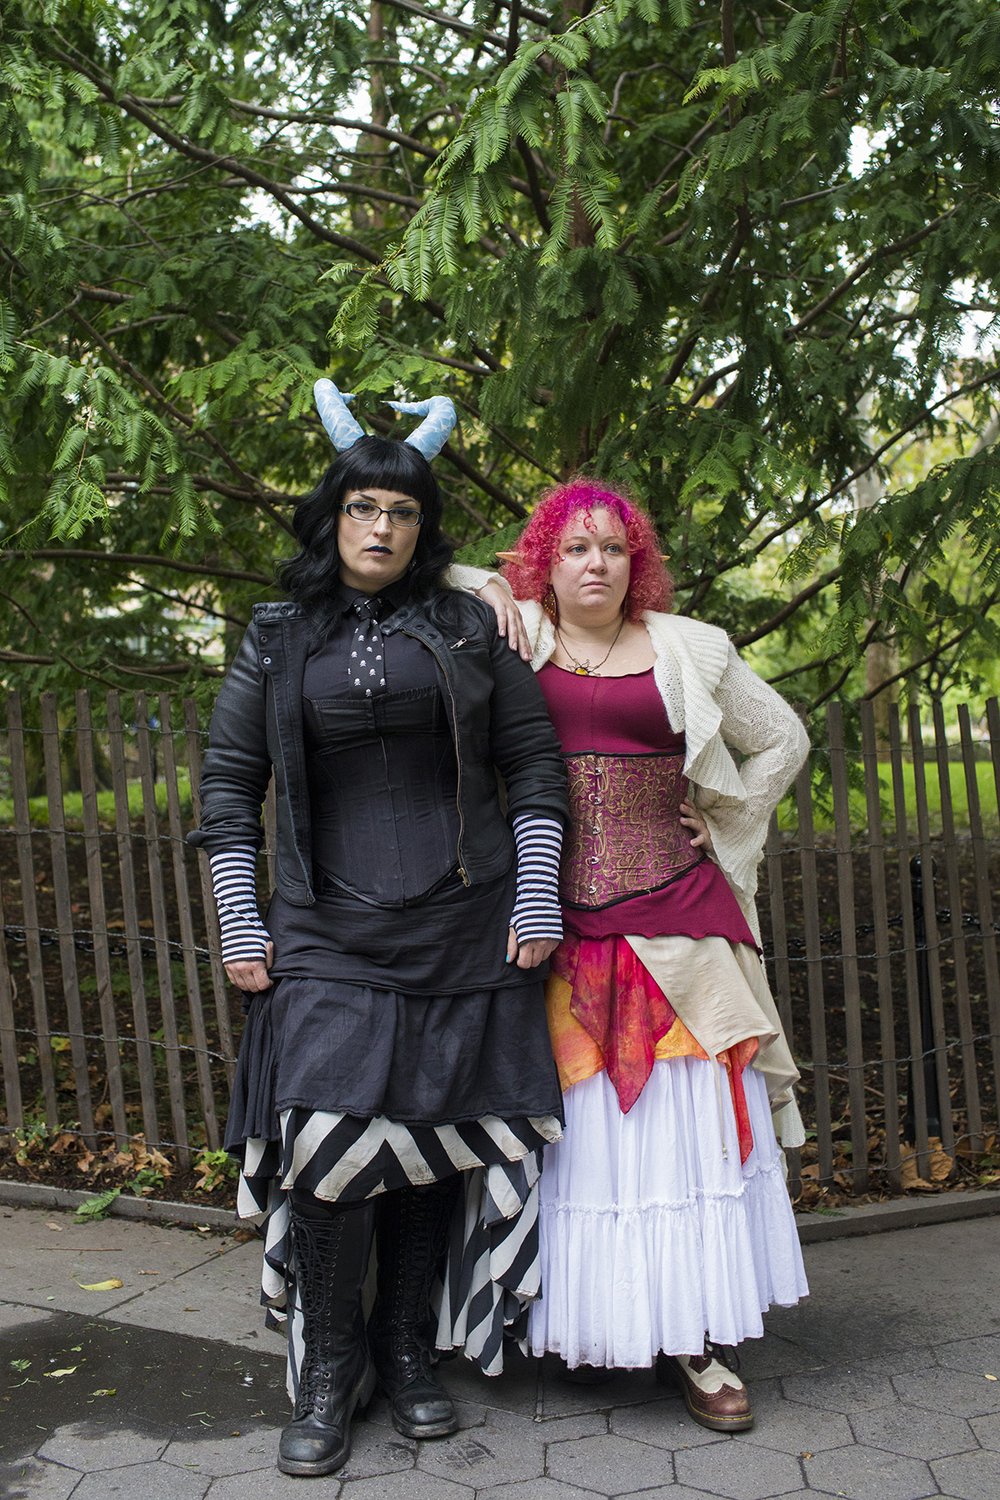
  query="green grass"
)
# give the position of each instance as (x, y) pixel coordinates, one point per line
(788, 820)
(38, 807)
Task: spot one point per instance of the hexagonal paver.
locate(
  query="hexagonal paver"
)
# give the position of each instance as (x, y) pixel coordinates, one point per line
(980, 1356)
(376, 1450)
(583, 1424)
(840, 1389)
(987, 1431)
(410, 1486)
(516, 1390)
(33, 1480)
(662, 1492)
(840, 1332)
(560, 1397)
(913, 1432)
(869, 1474)
(489, 1455)
(675, 1492)
(894, 1361)
(221, 1456)
(148, 1481)
(770, 1357)
(610, 1465)
(268, 1484)
(789, 1427)
(739, 1471)
(535, 1489)
(971, 1476)
(664, 1424)
(950, 1390)
(89, 1446)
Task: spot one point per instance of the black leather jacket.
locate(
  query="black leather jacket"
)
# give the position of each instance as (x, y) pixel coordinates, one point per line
(498, 721)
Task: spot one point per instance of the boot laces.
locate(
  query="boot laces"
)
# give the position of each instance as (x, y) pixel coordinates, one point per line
(725, 1355)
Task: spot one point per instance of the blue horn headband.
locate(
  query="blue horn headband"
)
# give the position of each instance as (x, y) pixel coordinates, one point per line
(344, 429)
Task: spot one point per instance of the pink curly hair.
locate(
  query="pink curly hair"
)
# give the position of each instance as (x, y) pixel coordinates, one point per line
(650, 585)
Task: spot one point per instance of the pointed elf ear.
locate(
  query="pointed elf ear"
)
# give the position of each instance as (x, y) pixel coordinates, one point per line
(509, 556)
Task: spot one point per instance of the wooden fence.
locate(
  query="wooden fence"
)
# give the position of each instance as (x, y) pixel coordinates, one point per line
(877, 910)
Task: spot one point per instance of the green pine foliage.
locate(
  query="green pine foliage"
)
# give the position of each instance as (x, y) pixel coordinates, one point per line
(740, 260)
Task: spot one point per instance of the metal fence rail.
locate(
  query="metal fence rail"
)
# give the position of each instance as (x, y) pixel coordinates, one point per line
(877, 908)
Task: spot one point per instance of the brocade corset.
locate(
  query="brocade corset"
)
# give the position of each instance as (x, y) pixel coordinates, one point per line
(625, 836)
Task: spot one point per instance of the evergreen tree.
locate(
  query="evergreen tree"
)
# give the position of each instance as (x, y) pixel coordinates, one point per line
(739, 258)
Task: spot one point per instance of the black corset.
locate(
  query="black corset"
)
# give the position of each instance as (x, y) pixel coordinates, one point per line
(383, 786)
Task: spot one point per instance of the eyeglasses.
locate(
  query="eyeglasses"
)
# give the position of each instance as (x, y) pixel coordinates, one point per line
(367, 510)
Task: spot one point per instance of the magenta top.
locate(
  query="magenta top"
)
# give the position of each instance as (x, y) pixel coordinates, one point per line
(626, 716)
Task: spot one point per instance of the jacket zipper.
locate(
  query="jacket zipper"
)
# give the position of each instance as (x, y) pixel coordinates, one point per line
(458, 753)
(270, 682)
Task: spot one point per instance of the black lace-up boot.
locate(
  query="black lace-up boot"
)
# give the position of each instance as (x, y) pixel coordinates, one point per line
(330, 1251)
(411, 1235)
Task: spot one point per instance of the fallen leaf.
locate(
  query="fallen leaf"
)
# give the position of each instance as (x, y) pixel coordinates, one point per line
(111, 1392)
(111, 1285)
(991, 1377)
(941, 1163)
(910, 1179)
(57, 1227)
(58, 1374)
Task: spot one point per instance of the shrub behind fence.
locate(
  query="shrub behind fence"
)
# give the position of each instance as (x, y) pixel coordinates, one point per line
(877, 907)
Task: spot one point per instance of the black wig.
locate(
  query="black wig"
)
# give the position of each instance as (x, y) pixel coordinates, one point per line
(370, 463)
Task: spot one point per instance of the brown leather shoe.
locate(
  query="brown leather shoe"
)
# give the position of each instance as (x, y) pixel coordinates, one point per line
(713, 1393)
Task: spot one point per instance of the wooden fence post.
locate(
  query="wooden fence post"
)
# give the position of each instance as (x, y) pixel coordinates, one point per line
(64, 916)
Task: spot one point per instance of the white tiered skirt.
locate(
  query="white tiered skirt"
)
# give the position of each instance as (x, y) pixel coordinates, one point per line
(652, 1235)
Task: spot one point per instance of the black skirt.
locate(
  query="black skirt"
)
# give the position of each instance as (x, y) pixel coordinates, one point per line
(411, 1014)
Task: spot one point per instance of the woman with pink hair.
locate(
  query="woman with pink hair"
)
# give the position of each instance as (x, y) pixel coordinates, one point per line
(666, 1227)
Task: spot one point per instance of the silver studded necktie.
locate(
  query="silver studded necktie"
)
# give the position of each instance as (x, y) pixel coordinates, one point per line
(366, 664)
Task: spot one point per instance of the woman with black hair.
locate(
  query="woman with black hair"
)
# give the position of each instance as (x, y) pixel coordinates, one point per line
(395, 1077)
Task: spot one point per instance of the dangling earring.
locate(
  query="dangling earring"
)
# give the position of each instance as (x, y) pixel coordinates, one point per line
(550, 604)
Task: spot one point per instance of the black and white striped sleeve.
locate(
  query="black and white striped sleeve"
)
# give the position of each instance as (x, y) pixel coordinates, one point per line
(537, 913)
(244, 936)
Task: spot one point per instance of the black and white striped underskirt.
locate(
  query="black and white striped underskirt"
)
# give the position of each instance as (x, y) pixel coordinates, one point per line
(492, 1271)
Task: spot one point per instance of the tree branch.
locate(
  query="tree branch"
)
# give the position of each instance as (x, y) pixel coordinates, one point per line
(137, 560)
(168, 406)
(864, 265)
(688, 346)
(939, 650)
(131, 106)
(450, 23)
(788, 609)
(339, 122)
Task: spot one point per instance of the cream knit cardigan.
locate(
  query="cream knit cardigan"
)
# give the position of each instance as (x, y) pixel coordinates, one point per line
(722, 707)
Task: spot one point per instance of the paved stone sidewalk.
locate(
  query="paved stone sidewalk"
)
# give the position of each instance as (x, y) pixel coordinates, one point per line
(167, 1388)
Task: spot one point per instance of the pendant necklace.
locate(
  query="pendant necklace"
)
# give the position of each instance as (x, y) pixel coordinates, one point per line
(584, 669)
